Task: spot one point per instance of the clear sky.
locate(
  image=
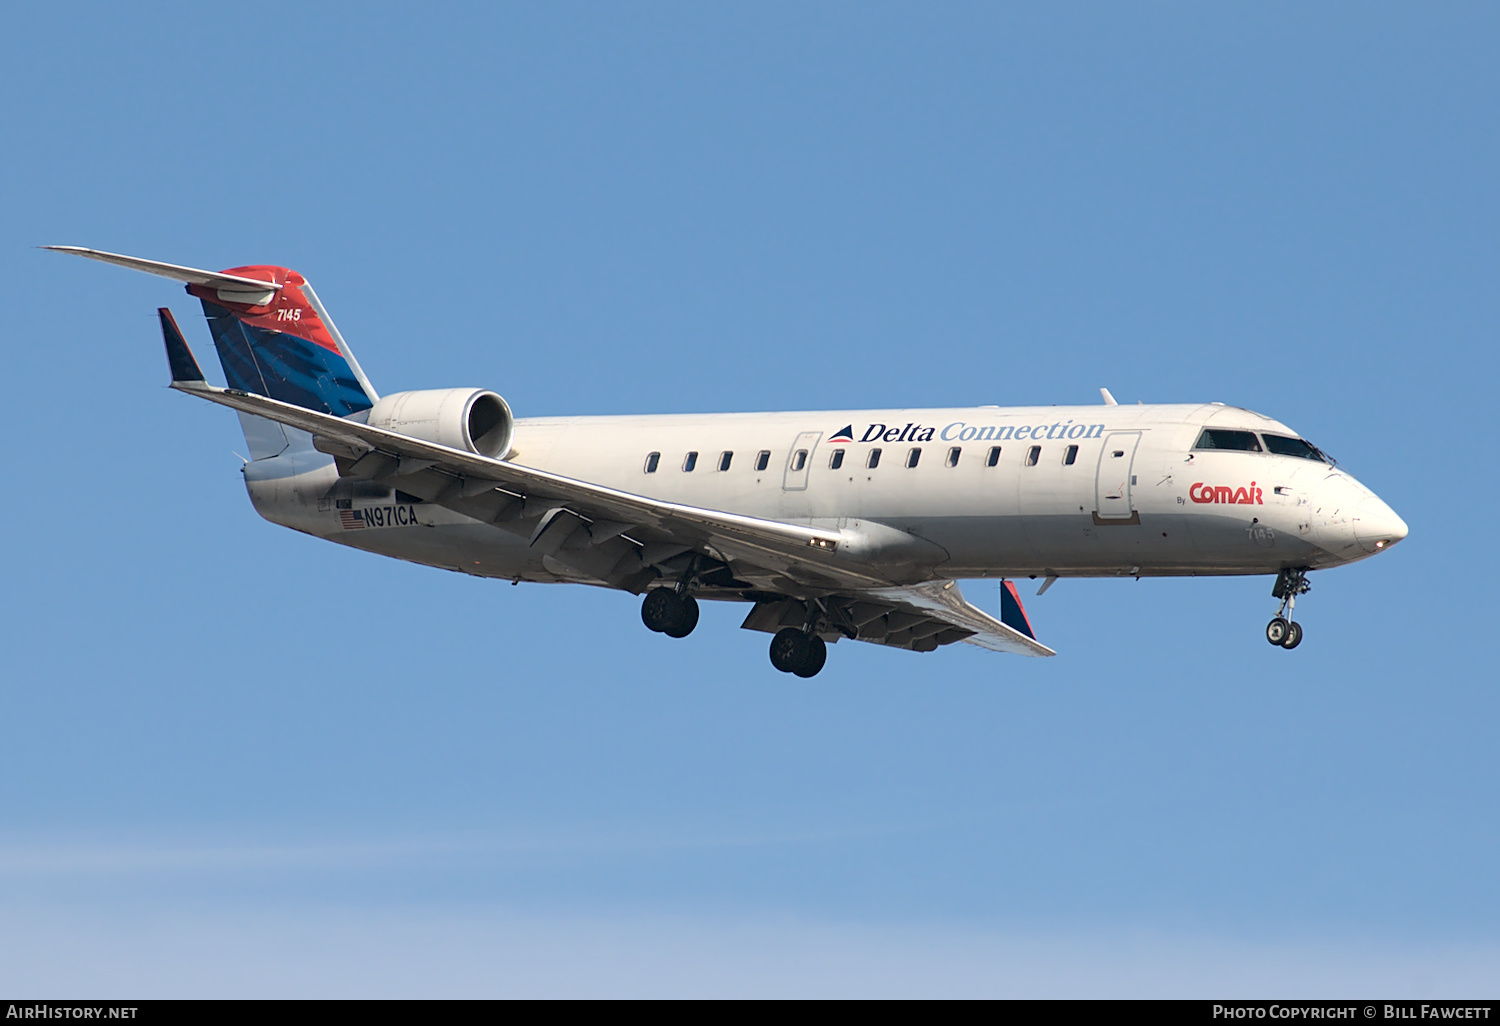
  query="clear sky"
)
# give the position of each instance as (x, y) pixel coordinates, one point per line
(240, 761)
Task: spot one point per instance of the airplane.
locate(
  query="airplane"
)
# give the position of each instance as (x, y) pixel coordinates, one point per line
(829, 525)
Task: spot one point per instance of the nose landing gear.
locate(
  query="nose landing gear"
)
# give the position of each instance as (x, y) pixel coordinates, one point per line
(1283, 630)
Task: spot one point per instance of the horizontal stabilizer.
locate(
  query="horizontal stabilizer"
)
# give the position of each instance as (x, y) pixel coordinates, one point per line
(232, 288)
(179, 357)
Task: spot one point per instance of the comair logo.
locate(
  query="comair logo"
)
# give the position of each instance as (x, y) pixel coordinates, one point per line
(1250, 496)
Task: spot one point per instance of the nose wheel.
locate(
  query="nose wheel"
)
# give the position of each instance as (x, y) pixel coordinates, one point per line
(1283, 631)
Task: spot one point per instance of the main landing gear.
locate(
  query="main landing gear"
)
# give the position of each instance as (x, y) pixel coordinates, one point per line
(794, 650)
(669, 612)
(1283, 630)
(798, 650)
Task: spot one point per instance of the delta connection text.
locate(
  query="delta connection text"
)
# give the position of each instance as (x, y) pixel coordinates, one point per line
(1403, 1011)
(961, 431)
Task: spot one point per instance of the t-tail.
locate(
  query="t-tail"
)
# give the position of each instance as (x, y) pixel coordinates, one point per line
(273, 337)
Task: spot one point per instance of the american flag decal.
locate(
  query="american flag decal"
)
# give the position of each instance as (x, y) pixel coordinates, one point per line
(352, 519)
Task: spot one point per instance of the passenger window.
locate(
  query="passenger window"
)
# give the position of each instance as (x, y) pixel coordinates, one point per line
(1033, 454)
(994, 457)
(912, 457)
(836, 460)
(724, 460)
(953, 455)
(1070, 456)
(1237, 441)
(799, 459)
(691, 462)
(763, 459)
(651, 462)
(874, 460)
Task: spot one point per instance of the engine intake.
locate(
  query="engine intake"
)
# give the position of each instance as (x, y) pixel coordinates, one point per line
(472, 419)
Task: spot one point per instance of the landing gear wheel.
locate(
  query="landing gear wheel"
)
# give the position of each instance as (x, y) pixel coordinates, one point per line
(1277, 631)
(657, 609)
(790, 649)
(666, 612)
(795, 651)
(1284, 631)
(687, 617)
(817, 655)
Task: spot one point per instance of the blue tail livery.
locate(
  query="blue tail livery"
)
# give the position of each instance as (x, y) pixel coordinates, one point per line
(283, 349)
(273, 336)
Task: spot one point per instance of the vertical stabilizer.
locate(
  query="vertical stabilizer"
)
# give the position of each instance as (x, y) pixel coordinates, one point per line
(285, 348)
(274, 339)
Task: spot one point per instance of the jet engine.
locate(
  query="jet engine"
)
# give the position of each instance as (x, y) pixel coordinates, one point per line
(471, 419)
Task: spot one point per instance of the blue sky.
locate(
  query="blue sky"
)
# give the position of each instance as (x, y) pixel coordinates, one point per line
(241, 761)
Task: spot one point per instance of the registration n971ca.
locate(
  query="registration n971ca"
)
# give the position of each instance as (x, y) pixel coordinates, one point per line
(827, 525)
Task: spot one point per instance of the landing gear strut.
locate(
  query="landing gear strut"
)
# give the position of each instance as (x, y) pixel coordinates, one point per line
(668, 612)
(1283, 630)
(796, 651)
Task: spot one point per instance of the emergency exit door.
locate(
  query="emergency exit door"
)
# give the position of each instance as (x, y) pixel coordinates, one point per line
(799, 461)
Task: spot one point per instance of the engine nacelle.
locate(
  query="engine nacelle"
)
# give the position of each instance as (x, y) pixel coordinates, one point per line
(472, 419)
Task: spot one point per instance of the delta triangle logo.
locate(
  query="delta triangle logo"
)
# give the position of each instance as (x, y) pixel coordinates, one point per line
(843, 434)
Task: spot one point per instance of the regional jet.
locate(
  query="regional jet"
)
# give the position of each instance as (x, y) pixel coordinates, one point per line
(828, 525)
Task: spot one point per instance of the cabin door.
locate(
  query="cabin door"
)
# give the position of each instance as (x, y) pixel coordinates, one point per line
(1116, 476)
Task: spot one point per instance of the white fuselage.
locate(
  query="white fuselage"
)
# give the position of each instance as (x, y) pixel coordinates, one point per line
(1133, 497)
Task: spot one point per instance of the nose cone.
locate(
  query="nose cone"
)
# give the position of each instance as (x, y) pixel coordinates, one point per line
(1377, 526)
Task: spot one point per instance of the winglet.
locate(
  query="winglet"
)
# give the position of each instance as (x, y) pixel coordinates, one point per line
(1012, 614)
(179, 357)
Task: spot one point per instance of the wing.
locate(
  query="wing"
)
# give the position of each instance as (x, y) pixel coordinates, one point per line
(852, 578)
(566, 517)
(918, 617)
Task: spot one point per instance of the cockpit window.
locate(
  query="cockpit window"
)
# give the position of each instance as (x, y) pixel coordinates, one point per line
(1284, 446)
(1237, 441)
